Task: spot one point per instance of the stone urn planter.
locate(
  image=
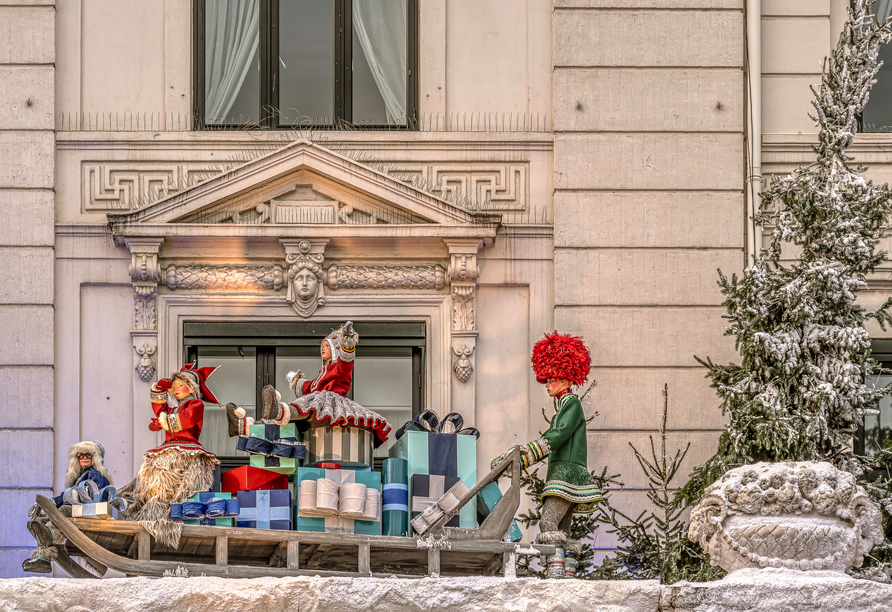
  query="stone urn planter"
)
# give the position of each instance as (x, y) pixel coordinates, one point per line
(795, 515)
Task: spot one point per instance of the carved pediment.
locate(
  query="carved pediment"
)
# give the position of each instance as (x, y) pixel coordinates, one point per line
(304, 197)
(300, 184)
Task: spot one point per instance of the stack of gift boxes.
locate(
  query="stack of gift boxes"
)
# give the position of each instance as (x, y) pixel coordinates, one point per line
(334, 492)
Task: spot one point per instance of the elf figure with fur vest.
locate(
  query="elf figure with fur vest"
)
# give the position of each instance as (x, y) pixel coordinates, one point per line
(320, 400)
(561, 362)
(180, 467)
(85, 463)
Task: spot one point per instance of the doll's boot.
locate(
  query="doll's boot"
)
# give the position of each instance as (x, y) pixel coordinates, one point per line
(239, 424)
(274, 411)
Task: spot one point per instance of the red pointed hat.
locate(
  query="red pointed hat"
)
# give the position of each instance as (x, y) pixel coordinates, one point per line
(561, 356)
(201, 375)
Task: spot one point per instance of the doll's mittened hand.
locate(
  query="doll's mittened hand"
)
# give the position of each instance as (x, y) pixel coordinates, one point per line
(348, 329)
(154, 425)
(162, 421)
(163, 384)
(292, 376)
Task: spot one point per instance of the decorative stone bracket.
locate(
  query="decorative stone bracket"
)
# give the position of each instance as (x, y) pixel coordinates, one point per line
(144, 275)
(462, 275)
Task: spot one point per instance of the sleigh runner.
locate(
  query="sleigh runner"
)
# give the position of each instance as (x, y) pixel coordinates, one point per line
(233, 552)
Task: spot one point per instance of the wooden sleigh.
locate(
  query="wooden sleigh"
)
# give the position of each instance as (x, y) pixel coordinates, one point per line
(235, 552)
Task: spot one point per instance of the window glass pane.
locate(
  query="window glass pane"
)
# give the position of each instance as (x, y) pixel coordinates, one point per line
(379, 62)
(234, 382)
(232, 61)
(877, 115)
(290, 359)
(384, 384)
(306, 61)
(878, 428)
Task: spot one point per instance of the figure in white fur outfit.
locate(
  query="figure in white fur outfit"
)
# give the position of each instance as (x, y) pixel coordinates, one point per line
(85, 463)
(322, 399)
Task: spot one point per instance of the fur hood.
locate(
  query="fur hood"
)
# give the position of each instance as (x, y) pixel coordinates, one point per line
(74, 468)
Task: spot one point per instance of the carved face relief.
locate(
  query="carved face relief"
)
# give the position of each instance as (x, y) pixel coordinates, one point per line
(305, 289)
(305, 285)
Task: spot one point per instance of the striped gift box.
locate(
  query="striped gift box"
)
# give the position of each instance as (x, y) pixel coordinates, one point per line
(335, 524)
(347, 446)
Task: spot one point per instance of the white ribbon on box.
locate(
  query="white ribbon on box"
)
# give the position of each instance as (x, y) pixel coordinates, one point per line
(433, 512)
(327, 498)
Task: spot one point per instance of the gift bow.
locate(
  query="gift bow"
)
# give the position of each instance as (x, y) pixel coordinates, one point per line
(427, 420)
(283, 447)
(90, 493)
(213, 509)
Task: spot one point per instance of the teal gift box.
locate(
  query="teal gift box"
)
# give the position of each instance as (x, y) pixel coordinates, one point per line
(432, 454)
(487, 499)
(258, 430)
(219, 522)
(279, 465)
(334, 524)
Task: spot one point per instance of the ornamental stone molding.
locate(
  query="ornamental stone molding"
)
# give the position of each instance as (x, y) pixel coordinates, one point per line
(350, 276)
(461, 365)
(493, 186)
(794, 515)
(305, 276)
(131, 185)
(145, 367)
(118, 186)
(224, 277)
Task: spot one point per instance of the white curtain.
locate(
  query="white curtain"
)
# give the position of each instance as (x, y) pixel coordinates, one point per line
(882, 9)
(232, 35)
(380, 26)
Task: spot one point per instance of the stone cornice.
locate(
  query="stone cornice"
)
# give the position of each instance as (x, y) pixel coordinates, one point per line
(229, 140)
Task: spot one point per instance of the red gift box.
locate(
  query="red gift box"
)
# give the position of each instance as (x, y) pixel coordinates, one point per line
(247, 478)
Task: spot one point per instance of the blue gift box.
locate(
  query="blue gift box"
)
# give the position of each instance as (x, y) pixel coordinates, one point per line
(265, 509)
(336, 524)
(427, 489)
(439, 454)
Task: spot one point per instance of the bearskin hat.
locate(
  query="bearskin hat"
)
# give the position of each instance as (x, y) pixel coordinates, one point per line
(561, 356)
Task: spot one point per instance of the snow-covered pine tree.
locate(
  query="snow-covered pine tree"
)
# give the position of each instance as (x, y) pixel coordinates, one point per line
(803, 385)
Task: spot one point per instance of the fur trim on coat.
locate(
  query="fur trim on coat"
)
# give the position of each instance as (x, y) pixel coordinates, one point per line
(74, 468)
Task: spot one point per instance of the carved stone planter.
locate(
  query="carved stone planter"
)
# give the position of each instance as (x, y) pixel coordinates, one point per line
(806, 515)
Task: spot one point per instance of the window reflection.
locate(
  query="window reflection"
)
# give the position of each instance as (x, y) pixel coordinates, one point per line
(233, 382)
(878, 428)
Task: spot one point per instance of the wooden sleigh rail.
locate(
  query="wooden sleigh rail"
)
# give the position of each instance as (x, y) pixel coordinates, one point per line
(233, 552)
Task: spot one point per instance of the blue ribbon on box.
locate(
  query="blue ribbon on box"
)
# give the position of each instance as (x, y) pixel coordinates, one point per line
(263, 508)
(395, 496)
(286, 448)
(90, 493)
(209, 508)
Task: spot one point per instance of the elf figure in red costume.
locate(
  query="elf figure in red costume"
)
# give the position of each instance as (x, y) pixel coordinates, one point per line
(180, 467)
(322, 399)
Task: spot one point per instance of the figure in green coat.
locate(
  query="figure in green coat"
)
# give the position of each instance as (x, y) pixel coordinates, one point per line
(561, 362)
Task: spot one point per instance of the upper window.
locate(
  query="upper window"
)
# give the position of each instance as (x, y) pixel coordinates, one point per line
(877, 114)
(305, 63)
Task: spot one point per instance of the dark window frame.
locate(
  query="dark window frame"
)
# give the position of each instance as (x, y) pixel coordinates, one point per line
(269, 71)
(378, 339)
(881, 350)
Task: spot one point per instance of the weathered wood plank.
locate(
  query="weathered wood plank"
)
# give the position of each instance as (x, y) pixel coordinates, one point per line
(433, 561)
(145, 546)
(222, 548)
(364, 563)
(494, 565)
(293, 562)
(316, 558)
(313, 537)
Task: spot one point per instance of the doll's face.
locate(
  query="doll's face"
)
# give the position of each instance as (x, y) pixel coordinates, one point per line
(556, 385)
(180, 390)
(85, 460)
(325, 351)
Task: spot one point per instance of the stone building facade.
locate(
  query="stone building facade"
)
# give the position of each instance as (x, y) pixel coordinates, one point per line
(581, 165)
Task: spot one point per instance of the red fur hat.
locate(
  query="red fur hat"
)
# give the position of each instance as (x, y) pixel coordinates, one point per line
(561, 356)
